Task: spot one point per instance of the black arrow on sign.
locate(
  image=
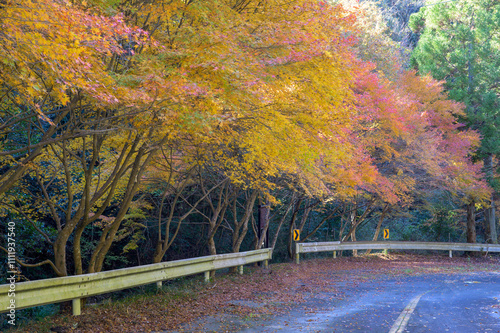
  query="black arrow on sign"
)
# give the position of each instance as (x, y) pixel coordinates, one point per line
(296, 235)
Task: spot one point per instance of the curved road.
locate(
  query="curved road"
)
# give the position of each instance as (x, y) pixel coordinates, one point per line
(464, 303)
(430, 303)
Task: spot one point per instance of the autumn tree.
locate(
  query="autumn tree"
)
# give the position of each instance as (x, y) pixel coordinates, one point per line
(53, 77)
(91, 128)
(212, 106)
(57, 94)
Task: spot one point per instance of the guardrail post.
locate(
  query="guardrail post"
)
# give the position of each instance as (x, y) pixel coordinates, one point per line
(240, 269)
(297, 253)
(159, 284)
(334, 254)
(207, 276)
(76, 305)
(266, 264)
(385, 251)
(451, 255)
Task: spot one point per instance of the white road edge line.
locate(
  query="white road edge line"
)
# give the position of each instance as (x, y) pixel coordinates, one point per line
(402, 321)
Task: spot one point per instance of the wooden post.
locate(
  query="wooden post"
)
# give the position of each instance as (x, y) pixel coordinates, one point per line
(385, 251)
(264, 210)
(334, 254)
(451, 255)
(207, 276)
(76, 305)
(159, 284)
(297, 258)
(266, 264)
(240, 269)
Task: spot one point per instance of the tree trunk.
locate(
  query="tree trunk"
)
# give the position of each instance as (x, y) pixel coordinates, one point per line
(354, 225)
(320, 224)
(60, 254)
(303, 220)
(471, 222)
(355, 221)
(241, 226)
(379, 225)
(489, 213)
(282, 220)
(211, 246)
(217, 214)
(263, 235)
(292, 226)
(107, 238)
(164, 243)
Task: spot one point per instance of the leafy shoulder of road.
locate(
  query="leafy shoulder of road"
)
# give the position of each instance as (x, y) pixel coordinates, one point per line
(235, 301)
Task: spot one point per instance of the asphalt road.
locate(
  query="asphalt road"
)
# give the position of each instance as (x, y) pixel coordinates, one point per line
(455, 303)
(465, 303)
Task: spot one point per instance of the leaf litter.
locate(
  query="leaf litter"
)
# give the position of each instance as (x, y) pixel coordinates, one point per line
(257, 294)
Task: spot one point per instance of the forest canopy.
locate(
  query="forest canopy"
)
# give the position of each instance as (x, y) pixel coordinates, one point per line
(192, 127)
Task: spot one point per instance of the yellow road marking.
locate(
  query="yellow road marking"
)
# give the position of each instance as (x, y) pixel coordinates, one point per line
(404, 317)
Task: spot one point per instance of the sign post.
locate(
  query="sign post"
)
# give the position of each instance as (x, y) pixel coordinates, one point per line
(296, 238)
(386, 236)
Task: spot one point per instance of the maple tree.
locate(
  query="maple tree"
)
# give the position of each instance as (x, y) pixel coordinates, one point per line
(262, 130)
(420, 143)
(206, 108)
(52, 71)
(59, 102)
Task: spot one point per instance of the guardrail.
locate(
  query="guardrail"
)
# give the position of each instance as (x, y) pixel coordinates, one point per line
(391, 245)
(55, 290)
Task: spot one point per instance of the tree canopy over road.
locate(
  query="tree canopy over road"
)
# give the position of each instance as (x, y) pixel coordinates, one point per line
(136, 131)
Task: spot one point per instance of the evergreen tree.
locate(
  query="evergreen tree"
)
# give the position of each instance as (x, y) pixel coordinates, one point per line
(460, 44)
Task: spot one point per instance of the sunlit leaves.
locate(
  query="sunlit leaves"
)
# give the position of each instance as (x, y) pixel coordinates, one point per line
(51, 49)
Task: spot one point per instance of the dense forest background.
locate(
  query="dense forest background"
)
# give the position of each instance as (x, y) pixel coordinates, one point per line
(141, 131)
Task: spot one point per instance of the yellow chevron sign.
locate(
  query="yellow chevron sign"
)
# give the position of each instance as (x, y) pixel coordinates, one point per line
(296, 235)
(386, 233)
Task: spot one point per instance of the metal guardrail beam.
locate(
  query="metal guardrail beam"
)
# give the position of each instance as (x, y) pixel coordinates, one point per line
(392, 245)
(55, 290)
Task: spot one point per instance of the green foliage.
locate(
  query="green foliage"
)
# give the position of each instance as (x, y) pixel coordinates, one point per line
(460, 44)
(38, 313)
(31, 248)
(443, 226)
(133, 228)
